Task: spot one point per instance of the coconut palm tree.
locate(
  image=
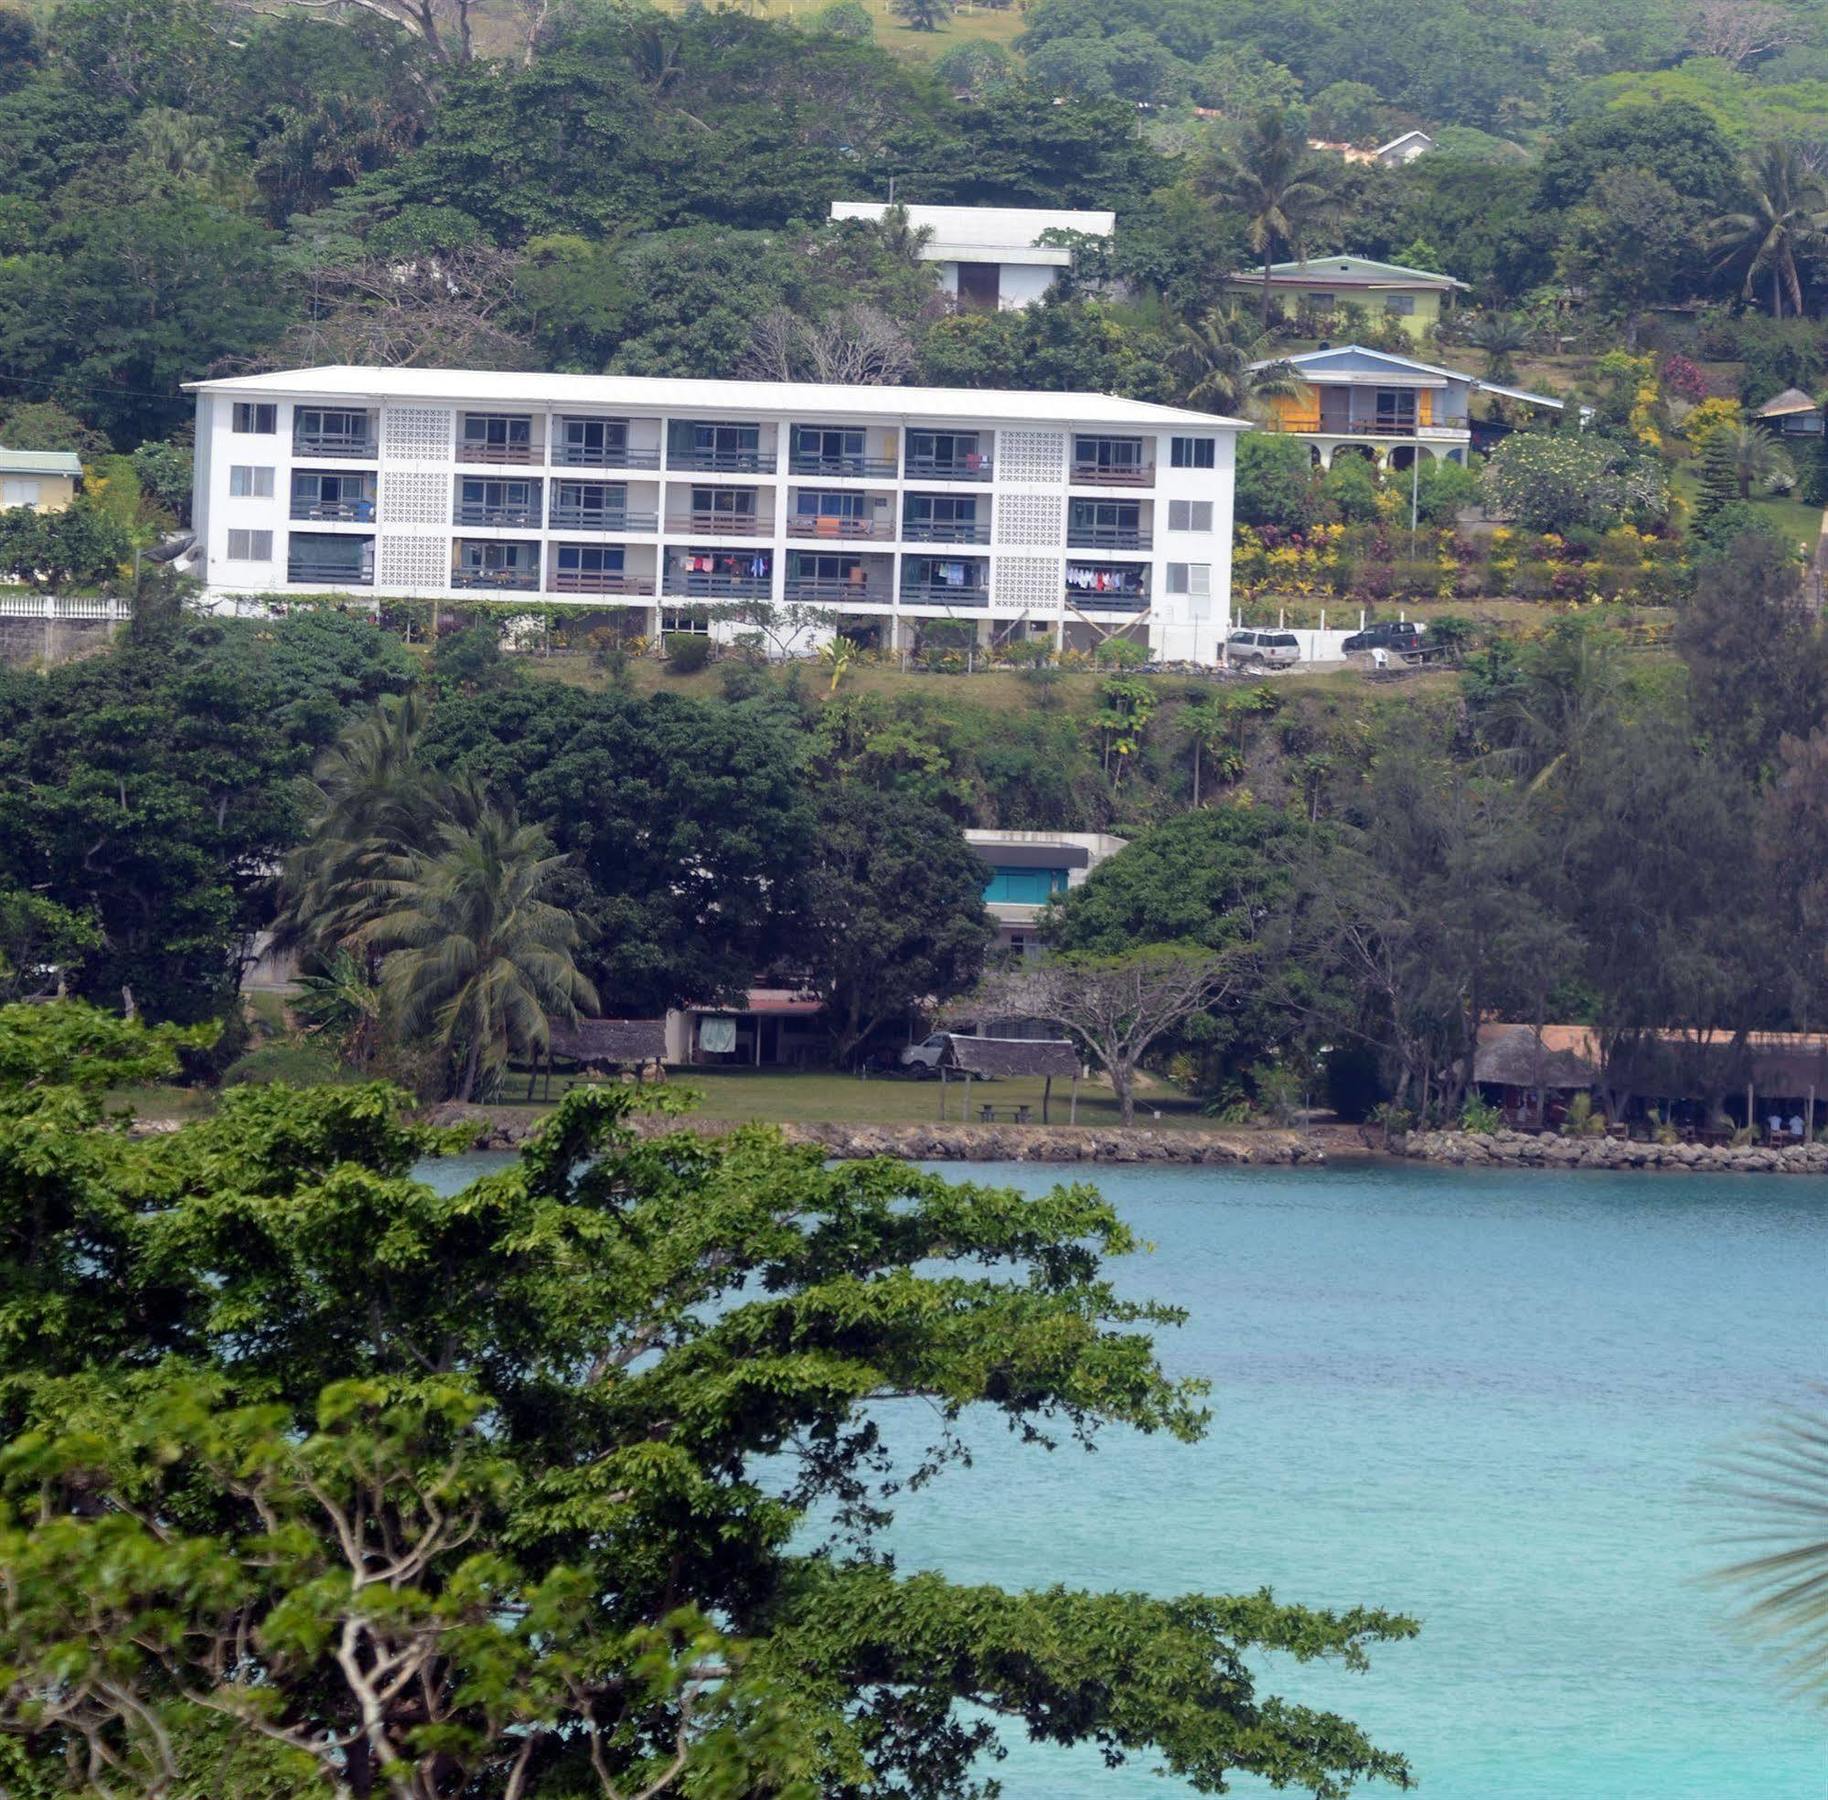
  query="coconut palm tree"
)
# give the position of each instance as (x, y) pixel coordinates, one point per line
(1214, 355)
(477, 958)
(1756, 459)
(1285, 192)
(1500, 335)
(1779, 1488)
(1784, 220)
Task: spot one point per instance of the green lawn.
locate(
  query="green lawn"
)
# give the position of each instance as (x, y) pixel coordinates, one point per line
(1802, 524)
(820, 1097)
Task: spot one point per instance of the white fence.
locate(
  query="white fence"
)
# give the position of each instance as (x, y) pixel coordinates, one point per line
(63, 606)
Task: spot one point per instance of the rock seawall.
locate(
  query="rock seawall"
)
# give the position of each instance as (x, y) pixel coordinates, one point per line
(502, 1128)
(1525, 1150)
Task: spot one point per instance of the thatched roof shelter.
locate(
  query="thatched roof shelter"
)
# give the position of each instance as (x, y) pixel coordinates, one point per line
(1517, 1057)
(608, 1041)
(1011, 1057)
(1788, 404)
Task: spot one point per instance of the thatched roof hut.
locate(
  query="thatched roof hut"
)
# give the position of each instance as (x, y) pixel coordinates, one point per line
(610, 1042)
(1011, 1057)
(1516, 1057)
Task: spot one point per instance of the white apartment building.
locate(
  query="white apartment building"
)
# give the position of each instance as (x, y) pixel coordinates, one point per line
(991, 258)
(1070, 517)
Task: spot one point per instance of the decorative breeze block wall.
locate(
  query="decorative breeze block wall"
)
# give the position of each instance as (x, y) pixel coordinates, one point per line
(1031, 456)
(415, 497)
(413, 562)
(416, 433)
(1029, 519)
(1026, 584)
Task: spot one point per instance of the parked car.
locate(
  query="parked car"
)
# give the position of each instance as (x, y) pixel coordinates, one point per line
(923, 1058)
(1263, 649)
(1387, 634)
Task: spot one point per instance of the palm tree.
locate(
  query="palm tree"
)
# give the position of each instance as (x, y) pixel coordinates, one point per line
(1500, 335)
(477, 958)
(1780, 1488)
(1285, 192)
(1756, 459)
(1215, 354)
(1785, 218)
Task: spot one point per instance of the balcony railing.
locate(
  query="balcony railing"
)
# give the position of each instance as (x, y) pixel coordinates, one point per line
(933, 593)
(357, 512)
(590, 518)
(946, 531)
(1107, 537)
(967, 468)
(1113, 475)
(597, 581)
(520, 580)
(838, 525)
(685, 586)
(471, 451)
(317, 443)
(803, 463)
(604, 456)
(723, 462)
(828, 590)
(525, 514)
(327, 574)
(1086, 601)
(722, 524)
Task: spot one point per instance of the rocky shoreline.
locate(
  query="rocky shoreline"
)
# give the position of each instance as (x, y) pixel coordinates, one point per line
(503, 1128)
(1526, 1150)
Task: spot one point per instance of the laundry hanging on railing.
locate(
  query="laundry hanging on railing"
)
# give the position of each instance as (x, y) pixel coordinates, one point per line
(1104, 581)
(754, 568)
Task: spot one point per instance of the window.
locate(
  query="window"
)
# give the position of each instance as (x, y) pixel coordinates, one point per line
(590, 559)
(250, 546)
(1193, 453)
(250, 483)
(1023, 887)
(256, 416)
(595, 437)
(821, 445)
(936, 451)
(1189, 515)
(314, 425)
(21, 493)
(1190, 578)
(1402, 305)
(1108, 456)
(1318, 302)
(1396, 409)
(501, 433)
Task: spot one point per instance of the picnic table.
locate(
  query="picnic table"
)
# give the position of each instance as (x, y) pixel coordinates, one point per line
(1016, 1115)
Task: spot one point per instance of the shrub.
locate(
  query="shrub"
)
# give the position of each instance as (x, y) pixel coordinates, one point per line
(297, 1063)
(1276, 482)
(1479, 1115)
(1444, 489)
(845, 19)
(1551, 482)
(687, 651)
(1351, 490)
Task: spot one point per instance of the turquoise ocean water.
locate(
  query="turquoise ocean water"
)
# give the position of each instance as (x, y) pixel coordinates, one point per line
(1489, 1399)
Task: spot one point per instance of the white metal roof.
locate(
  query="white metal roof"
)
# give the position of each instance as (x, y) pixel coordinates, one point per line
(983, 227)
(40, 462)
(1052, 256)
(637, 394)
(1349, 271)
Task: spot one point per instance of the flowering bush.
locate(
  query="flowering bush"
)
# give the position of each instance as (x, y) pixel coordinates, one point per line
(1683, 379)
(1551, 483)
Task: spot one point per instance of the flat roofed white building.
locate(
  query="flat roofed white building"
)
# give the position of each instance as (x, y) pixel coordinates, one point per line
(1071, 517)
(990, 257)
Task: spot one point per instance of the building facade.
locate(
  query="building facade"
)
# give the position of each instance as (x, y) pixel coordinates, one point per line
(990, 258)
(1357, 402)
(1414, 298)
(1024, 870)
(44, 480)
(1065, 517)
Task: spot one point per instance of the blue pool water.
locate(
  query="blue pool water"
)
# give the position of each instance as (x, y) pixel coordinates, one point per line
(1489, 1399)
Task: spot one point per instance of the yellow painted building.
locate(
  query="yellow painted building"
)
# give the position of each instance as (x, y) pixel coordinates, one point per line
(44, 480)
(1415, 298)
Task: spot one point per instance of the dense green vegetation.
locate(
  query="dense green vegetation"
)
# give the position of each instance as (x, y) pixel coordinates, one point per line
(592, 1501)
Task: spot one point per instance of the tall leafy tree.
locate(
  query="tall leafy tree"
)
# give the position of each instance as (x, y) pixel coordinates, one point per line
(476, 954)
(1781, 222)
(1286, 193)
(569, 1482)
(1214, 356)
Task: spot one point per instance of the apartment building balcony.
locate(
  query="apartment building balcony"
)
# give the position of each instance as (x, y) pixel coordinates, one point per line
(850, 452)
(1109, 525)
(581, 443)
(814, 512)
(495, 567)
(839, 525)
(598, 506)
(878, 468)
(329, 562)
(610, 569)
(714, 448)
(336, 498)
(510, 503)
(837, 578)
(973, 466)
(1108, 602)
(1107, 587)
(945, 519)
(721, 524)
(945, 581)
(499, 438)
(937, 593)
(329, 431)
(1112, 462)
(705, 574)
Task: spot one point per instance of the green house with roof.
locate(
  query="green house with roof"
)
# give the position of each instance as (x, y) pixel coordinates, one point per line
(1415, 298)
